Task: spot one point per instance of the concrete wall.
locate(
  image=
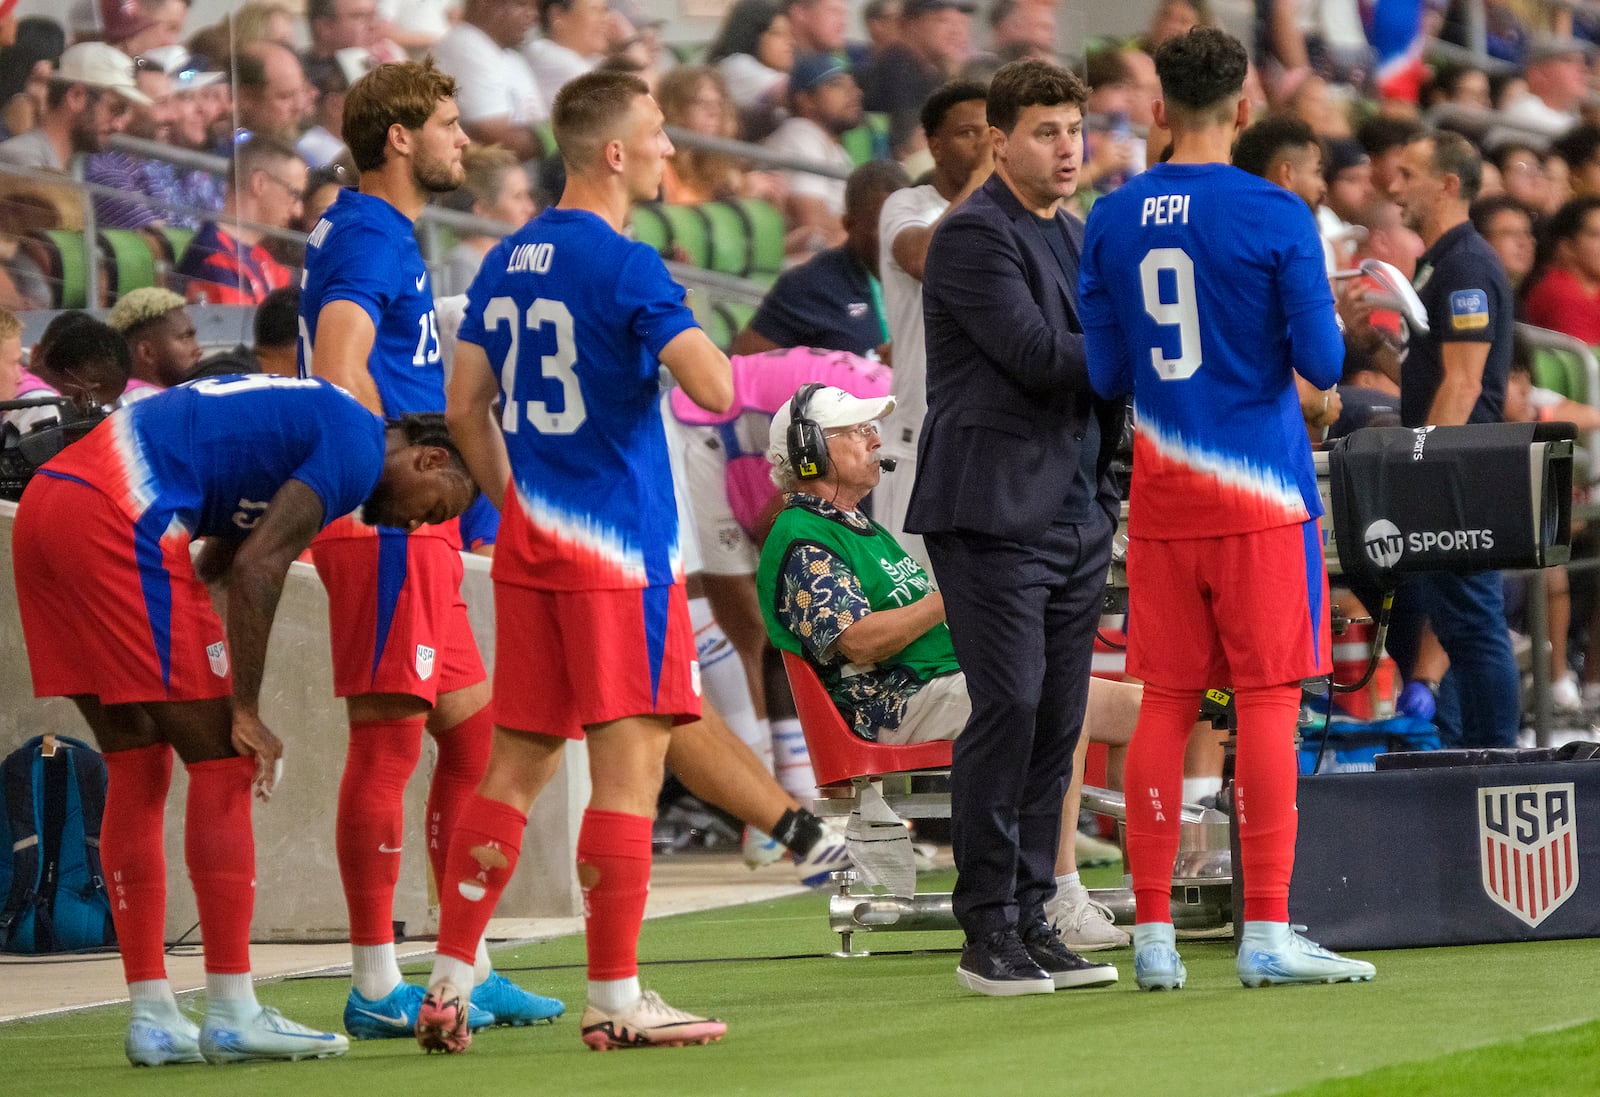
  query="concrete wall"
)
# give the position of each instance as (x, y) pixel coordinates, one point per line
(297, 877)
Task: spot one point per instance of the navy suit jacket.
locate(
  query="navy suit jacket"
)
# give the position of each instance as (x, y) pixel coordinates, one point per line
(1008, 388)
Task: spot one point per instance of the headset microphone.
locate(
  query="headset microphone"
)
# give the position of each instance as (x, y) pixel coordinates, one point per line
(887, 464)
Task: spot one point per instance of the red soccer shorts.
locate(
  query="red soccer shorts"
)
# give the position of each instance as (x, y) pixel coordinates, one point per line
(1249, 609)
(565, 660)
(395, 615)
(109, 609)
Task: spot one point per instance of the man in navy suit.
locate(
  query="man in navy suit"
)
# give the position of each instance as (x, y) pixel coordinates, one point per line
(1014, 497)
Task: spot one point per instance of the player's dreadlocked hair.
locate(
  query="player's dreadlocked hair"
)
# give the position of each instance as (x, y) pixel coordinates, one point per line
(1202, 71)
(429, 429)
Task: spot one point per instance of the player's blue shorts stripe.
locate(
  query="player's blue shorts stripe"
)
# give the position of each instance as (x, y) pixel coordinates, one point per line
(156, 586)
(656, 602)
(392, 563)
(1311, 535)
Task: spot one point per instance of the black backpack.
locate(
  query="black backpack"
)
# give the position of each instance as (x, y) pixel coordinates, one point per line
(53, 888)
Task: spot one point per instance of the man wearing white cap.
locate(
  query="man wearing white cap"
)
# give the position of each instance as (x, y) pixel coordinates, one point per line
(87, 102)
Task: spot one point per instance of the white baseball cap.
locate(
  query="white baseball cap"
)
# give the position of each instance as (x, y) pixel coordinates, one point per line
(183, 67)
(830, 408)
(101, 66)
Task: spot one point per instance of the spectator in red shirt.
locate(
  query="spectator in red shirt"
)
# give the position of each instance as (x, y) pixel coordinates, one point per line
(226, 264)
(1566, 296)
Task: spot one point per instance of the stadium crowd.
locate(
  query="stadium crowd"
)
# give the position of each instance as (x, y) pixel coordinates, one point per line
(1464, 174)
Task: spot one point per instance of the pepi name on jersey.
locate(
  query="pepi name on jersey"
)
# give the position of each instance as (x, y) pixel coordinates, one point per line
(533, 258)
(1165, 209)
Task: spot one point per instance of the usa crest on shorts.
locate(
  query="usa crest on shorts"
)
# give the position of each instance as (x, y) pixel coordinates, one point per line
(217, 655)
(1528, 847)
(424, 662)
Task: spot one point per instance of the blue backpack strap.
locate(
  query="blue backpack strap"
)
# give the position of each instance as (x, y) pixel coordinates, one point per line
(18, 775)
(89, 775)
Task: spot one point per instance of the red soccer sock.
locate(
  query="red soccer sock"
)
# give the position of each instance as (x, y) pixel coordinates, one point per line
(370, 830)
(484, 847)
(1264, 797)
(134, 857)
(614, 872)
(1152, 780)
(463, 760)
(220, 848)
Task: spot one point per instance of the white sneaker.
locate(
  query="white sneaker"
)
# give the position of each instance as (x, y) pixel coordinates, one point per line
(1274, 954)
(160, 1034)
(1083, 924)
(650, 1022)
(1091, 852)
(236, 1032)
(826, 857)
(759, 849)
(1564, 694)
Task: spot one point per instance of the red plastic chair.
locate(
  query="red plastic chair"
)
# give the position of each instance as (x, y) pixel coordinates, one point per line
(838, 754)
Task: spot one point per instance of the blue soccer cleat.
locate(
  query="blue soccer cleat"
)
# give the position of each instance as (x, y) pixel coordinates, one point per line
(394, 1016)
(1156, 964)
(511, 1005)
(159, 1034)
(1274, 954)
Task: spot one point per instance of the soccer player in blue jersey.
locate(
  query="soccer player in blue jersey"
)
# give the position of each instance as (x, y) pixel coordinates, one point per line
(403, 652)
(571, 321)
(118, 619)
(1203, 293)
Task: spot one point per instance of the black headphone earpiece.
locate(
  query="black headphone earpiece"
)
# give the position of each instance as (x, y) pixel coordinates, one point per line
(807, 445)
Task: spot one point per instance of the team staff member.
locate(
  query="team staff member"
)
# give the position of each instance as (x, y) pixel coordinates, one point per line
(1015, 501)
(403, 653)
(1203, 293)
(572, 321)
(1457, 374)
(118, 619)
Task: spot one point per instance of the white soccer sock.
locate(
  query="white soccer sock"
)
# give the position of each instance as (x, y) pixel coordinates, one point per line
(726, 686)
(152, 992)
(235, 990)
(1070, 880)
(1196, 788)
(792, 760)
(614, 995)
(374, 970)
(482, 967)
(447, 969)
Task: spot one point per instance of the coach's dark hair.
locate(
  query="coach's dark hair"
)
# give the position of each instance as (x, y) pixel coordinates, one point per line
(587, 111)
(1201, 72)
(404, 93)
(1267, 141)
(1022, 84)
(1454, 155)
(944, 98)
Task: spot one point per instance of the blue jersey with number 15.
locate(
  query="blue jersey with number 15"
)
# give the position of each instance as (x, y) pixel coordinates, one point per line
(365, 251)
(1202, 289)
(573, 317)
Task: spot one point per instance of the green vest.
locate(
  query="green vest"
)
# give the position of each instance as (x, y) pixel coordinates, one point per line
(889, 578)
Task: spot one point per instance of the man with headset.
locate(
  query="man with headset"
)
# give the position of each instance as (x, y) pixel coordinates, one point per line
(838, 590)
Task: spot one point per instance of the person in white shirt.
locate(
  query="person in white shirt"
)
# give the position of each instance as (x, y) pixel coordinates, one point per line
(495, 88)
(572, 42)
(958, 138)
(1557, 77)
(824, 102)
(754, 51)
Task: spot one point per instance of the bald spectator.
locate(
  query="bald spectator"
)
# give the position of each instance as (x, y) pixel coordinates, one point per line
(497, 93)
(87, 101)
(225, 264)
(829, 302)
(824, 103)
(262, 21)
(571, 42)
(1557, 76)
(274, 98)
(935, 38)
(162, 349)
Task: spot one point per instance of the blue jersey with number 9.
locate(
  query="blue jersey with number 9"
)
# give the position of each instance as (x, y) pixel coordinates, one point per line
(365, 251)
(573, 317)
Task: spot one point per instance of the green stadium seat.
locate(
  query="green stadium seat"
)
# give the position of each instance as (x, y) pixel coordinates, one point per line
(177, 240)
(729, 238)
(650, 227)
(129, 260)
(869, 140)
(689, 234)
(59, 253)
(764, 226)
(1561, 371)
(737, 314)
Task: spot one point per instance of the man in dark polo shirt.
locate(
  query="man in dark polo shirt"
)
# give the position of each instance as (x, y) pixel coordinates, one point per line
(1456, 374)
(834, 300)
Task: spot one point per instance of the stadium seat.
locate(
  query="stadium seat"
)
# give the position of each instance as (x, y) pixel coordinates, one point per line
(1562, 371)
(59, 253)
(869, 140)
(764, 227)
(838, 755)
(650, 227)
(689, 234)
(728, 236)
(737, 315)
(129, 259)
